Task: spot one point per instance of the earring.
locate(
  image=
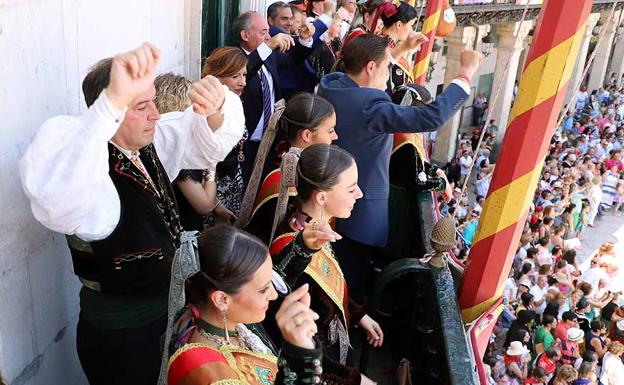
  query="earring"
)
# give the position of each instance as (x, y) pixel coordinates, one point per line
(227, 335)
(316, 223)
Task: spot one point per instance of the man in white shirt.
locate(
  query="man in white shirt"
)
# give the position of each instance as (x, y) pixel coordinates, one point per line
(103, 179)
(465, 162)
(539, 292)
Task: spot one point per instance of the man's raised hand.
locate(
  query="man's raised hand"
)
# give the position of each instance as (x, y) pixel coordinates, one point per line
(306, 31)
(207, 96)
(132, 73)
(281, 42)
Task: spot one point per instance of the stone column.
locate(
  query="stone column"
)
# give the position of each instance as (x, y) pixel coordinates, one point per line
(446, 137)
(508, 50)
(523, 56)
(581, 61)
(603, 52)
(617, 59)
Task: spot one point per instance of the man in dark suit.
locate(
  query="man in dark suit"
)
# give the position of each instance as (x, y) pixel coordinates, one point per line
(366, 118)
(265, 55)
(301, 78)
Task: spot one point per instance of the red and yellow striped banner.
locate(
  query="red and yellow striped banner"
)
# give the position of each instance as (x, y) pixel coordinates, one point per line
(541, 91)
(430, 24)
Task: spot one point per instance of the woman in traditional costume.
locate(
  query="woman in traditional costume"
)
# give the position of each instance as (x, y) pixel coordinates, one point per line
(307, 119)
(326, 181)
(368, 12)
(398, 23)
(219, 340)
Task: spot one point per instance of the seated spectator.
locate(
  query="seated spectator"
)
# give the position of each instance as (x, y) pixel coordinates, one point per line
(568, 320)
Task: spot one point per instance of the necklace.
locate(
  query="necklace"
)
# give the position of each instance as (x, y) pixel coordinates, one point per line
(208, 328)
(217, 335)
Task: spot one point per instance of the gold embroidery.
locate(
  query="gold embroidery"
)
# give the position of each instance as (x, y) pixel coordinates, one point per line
(326, 272)
(227, 382)
(244, 369)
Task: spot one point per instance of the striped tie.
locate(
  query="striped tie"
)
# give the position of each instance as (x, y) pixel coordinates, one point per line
(266, 100)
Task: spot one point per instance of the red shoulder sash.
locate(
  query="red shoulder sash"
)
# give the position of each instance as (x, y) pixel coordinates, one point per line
(190, 357)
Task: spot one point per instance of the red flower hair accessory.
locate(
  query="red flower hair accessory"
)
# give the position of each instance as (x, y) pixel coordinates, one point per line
(389, 9)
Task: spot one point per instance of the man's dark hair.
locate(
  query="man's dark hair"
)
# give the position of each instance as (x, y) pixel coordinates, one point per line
(532, 252)
(547, 319)
(596, 325)
(526, 299)
(362, 50)
(242, 23)
(568, 316)
(590, 356)
(273, 9)
(96, 80)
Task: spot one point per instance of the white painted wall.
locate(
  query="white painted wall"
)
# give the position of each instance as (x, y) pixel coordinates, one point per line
(47, 47)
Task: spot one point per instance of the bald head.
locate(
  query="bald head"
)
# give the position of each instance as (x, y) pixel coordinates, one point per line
(251, 30)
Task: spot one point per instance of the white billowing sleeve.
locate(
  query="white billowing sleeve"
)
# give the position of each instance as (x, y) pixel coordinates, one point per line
(64, 173)
(183, 140)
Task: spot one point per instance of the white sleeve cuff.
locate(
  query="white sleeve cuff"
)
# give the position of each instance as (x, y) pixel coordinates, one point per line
(463, 84)
(111, 109)
(326, 19)
(264, 51)
(307, 42)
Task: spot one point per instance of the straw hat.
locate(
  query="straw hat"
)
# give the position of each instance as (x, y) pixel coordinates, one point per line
(575, 334)
(517, 349)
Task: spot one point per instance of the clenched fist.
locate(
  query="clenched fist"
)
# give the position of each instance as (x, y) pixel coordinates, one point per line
(132, 73)
(296, 320)
(306, 31)
(281, 42)
(470, 61)
(414, 40)
(207, 96)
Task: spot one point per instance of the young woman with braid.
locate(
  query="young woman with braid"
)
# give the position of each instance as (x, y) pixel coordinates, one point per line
(326, 182)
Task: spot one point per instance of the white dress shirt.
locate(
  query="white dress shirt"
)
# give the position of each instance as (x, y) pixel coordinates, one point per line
(264, 52)
(65, 170)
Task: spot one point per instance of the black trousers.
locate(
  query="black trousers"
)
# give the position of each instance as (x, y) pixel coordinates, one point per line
(120, 357)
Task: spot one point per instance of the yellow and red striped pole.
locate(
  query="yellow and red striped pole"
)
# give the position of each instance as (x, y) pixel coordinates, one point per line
(542, 88)
(429, 27)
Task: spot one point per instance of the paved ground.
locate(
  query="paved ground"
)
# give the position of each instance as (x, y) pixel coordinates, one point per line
(609, 228)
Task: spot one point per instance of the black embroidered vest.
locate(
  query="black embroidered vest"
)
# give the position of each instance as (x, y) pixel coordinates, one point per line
(136, 257)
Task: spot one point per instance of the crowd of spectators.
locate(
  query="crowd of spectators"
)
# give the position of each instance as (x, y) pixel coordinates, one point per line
(563, 321)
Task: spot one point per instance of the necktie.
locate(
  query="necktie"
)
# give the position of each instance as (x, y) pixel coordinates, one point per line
(134, 158)
(266, 99)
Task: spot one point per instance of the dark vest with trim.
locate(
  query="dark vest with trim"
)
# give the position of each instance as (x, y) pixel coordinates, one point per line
(136, 257)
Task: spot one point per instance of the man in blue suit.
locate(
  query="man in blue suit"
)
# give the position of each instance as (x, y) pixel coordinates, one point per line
(366, 118)
(301, 78)
(266, 57)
